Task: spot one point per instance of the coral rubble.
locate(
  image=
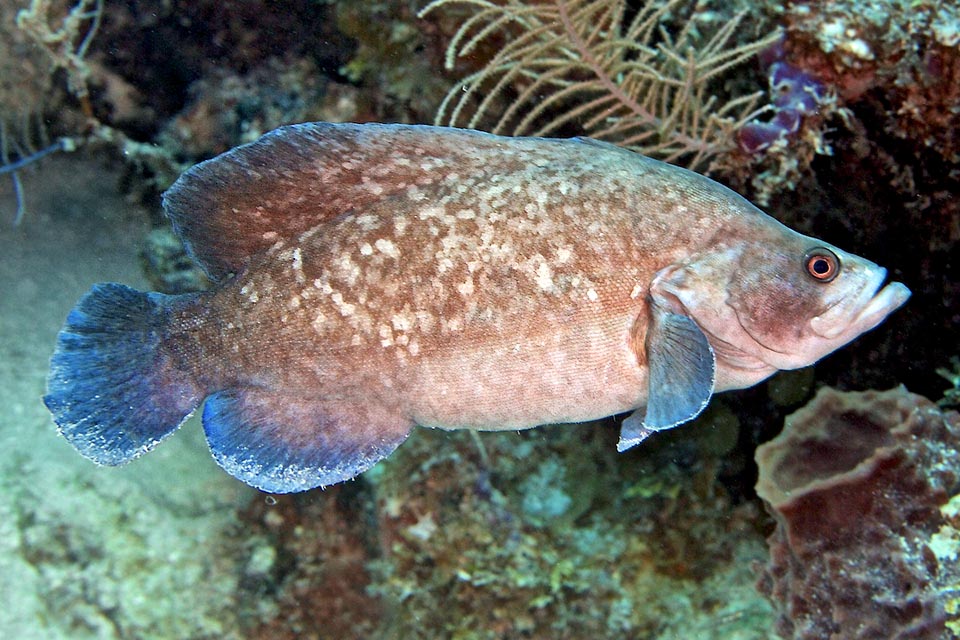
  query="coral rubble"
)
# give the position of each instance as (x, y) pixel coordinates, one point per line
(548, 534)
(865, 546)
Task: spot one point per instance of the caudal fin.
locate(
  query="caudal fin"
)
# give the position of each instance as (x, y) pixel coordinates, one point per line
(112, 389)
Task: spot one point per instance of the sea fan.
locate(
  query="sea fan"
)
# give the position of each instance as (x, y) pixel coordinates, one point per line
(612, 71)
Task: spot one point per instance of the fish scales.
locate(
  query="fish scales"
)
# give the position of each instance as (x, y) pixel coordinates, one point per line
(438, 296)
(375, 277)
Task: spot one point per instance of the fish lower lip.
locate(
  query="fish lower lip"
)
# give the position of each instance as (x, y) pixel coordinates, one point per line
(880, 305)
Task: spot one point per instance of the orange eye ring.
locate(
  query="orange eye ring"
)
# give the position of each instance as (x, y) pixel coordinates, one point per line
(822, 264)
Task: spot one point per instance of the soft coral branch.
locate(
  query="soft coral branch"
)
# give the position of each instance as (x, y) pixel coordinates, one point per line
(600, 67)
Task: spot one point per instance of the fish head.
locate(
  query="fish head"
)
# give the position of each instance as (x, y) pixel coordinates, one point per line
(782, 301)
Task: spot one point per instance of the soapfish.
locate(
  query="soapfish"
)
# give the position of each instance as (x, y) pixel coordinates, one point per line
(372, 278)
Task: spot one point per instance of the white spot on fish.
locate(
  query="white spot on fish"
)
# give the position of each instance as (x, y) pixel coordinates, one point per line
(345, 308)
(592, 295)
(250, 292)
(368, 222)
(466, 287)
(298, 266)
(386, 336)
(318, 322)
(452, 324)
(402, 321)
(366, 249)
(414, 194)
(387, 247)
(349, 269)
(443, 264)
(544, 277)
(430, 212)
(323, 285)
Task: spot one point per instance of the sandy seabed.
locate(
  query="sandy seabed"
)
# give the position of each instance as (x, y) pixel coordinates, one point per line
(87, 551)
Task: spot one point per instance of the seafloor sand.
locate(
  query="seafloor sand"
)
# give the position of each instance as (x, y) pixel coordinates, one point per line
(89, 551)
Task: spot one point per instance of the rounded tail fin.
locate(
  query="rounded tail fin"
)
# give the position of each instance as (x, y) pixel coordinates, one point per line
(113, 390)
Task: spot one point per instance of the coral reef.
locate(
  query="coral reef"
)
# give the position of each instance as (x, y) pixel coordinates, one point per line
(778, 149)
(396, 65)
(894, 69)
(148, 54)
(797, 95)
(306, 574)
(224, 80)
(900, 55)
(24, 68)
(33, 46)
(865, 544)
(545, 534)
(227, 109)
(65, 37)
(951, 396)
(167, 265)
(604, 69)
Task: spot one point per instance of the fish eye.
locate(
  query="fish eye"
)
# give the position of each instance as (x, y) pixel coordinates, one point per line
(822, 264)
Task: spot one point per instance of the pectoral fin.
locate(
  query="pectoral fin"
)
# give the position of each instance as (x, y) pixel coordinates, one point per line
(282, 443)
(682, 369)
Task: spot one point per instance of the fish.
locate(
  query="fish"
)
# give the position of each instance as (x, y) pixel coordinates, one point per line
(370, 278)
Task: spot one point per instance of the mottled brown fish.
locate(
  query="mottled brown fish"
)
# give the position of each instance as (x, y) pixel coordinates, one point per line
(375, 277)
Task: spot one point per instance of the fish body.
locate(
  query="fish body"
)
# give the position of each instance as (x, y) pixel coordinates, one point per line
(375, 277)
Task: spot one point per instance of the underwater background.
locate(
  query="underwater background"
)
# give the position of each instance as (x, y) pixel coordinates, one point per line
(840, 118)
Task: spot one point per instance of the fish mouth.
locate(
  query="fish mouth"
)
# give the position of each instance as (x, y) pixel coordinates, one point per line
(875, 303)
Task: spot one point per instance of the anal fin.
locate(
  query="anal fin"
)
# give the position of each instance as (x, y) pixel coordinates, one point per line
(281, 442)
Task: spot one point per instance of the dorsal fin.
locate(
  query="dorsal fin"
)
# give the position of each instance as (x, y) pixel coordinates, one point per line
(239, 203)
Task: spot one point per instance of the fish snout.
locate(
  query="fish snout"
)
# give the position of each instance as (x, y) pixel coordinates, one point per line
(861, 307)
